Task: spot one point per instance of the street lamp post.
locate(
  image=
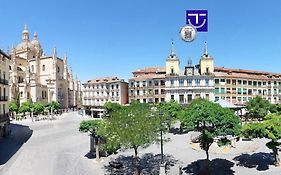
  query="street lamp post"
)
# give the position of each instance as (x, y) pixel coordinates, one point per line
(161, 137)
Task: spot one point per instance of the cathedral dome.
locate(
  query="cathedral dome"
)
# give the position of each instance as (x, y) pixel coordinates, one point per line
(25, 45)
(35, 43)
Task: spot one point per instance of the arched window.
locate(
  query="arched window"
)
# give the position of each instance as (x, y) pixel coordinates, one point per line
(43, 67)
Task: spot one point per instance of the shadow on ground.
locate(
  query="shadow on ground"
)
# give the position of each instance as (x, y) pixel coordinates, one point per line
(260, 161)
(12, 143)
(148, 164)
(216, 167)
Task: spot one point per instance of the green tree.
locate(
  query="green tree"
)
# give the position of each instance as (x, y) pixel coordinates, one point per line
(111, 107)
(132, 126)
(25, 107)
(172, 108)
(38, 107)
(212, 121)
(271, 129)
(257, 108)
(13, 107)
(92, 126)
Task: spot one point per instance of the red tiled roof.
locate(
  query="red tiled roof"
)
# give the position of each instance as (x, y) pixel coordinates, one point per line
(247, 74)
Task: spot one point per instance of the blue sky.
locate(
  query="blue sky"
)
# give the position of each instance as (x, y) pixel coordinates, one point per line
(109, 37)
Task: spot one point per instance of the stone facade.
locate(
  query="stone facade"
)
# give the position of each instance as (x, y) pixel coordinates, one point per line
(239, 86)
(147, 85)
(98, 91)
(4, 92)
(194, 82)
(37, 77)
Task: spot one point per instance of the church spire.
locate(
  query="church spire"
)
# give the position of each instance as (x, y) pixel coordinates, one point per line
(206, 49)
(25, 34)
(172, 49)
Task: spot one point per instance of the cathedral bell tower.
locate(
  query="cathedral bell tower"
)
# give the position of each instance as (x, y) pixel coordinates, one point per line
(172, 63)
(206, 63)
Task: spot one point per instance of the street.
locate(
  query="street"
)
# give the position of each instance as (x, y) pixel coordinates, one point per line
(55, 147)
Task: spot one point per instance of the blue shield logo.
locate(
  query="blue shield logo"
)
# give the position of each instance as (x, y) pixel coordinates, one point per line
(198, 18)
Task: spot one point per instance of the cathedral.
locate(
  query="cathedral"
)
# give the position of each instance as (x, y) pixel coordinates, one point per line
(38, 77)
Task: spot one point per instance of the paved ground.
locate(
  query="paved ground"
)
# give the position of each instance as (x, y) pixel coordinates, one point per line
(57, 148)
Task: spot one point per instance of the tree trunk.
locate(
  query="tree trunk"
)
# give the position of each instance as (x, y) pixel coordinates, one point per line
(136, 172)
(276, 157)
(97, 149)
(136, 151)
(207, 163)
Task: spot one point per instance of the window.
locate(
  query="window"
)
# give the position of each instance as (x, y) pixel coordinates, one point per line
(143, 83)
(58, 69)
(189, 82)
(132, 84)
(21, 94)
(138, 92)
(43, 67)
(244, 82)
(162, 91)
(112, 86)
(255, 83)
(172, 71)
(172, 97)
(181, 98)
(217, 98)
(234, 82)
(259, 83)
(162, 83)
(207, 82)
(217, 81)
(156, 92)
(222, 80)
(228, 81)
(156, 83)
(244, 91)
(197, 82)
(239, 90)
(172, 83)
(181, 82)
(144, 100)
(250, 92)
(222, 90)
(250, 83)
(32, 68)
(239, 81)
(217, 91)
(244, 99)
(117, 94)
(162, 99)
(189, 98)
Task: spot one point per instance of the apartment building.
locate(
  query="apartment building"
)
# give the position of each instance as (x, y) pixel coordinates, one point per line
(147, 85)
(4, 92)
(98, 91)
(239, 86)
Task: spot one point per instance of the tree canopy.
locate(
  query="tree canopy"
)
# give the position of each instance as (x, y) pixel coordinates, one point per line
(172, 108)
(25, 107)
(111, 107)
(211, 120)
(132, 126)
(270, 128)
(257, 108)
(13, 107)
(38, 107)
